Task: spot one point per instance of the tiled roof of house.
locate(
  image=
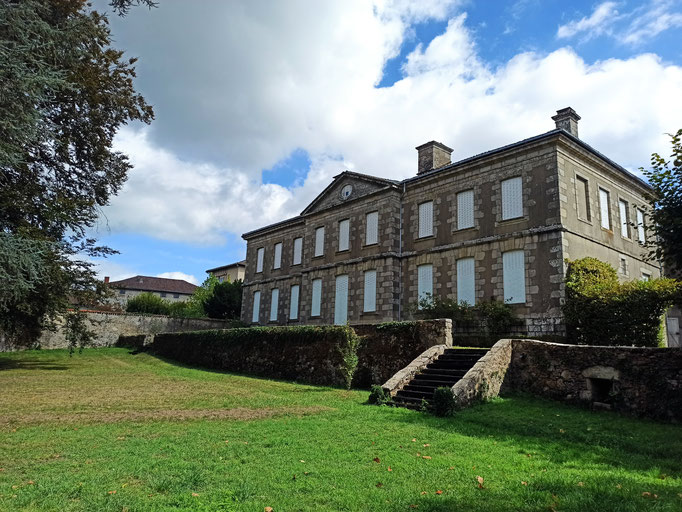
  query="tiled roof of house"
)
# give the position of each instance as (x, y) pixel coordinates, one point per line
(231, 265)
(155, 284)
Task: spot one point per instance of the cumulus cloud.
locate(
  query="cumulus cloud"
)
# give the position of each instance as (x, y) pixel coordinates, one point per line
(241, 92)
(179, 275)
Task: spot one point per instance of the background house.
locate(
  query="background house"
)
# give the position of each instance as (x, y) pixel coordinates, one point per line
(174, 290)
(231, 272)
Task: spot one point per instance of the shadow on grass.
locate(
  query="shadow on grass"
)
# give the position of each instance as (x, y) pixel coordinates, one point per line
(28, 364)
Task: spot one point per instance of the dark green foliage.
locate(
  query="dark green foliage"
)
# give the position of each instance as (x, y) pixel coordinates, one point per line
(665, 205)
(443, 402)
(492, 317)
(148, 303)
(349, 356)
(225, 302)
(601, 311)
(379, 396)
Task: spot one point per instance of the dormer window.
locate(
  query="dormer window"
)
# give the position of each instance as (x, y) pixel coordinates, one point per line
(346, 191)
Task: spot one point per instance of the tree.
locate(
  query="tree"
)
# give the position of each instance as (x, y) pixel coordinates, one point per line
(225, 302)
(64, 93)
(665, 205)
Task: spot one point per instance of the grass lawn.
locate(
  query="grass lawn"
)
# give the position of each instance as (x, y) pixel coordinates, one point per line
(106, 430)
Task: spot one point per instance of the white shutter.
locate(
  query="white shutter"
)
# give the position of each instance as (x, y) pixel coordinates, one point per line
(512, 198)
(514, 277)
(259, 259)
(317, 297)
(341, 300)
(426, 219)
(466, 283)
(624, 220)
(372, 231)
(255, 315)
(344, 228)
(640, 226)
(293, 302)
(465, 209)
(278, 256)
(319, 241)
(298, 250)
(424, 282)
(604, 208)
(370, 301)
(274, 304)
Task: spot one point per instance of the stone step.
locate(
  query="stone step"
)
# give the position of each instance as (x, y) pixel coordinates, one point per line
(458, 357)
(453, 372)
(451, 365)
(437, 376)
(465, 351)
(423, 386)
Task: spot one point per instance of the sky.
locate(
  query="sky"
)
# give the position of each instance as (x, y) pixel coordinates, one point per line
(260, 103)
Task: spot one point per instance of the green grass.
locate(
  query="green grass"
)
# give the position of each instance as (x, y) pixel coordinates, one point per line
(166, 438)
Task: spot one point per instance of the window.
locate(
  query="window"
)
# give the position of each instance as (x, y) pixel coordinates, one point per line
(274, 304)
(298, 250)
(259, 259)
(640, 226)
(514, 277)
(370, 300)
(604, 211)
(277, 263)
(465, 209)
(341, 300)
(372, 231)
(256, 307)
(163, 294)
(582, 197)
(317, 297)
(293, 302)
(426, 219)
(344, 234)
(623, 266)
(176, 295)
(624, 218)
(512, 198)
(646, 276)
(466, 284)
(121, 292)
(424, 283)
(319, 241)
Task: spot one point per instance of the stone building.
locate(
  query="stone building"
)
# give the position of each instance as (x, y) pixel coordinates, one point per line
(497, 225)
(232, 272)
(174, 290)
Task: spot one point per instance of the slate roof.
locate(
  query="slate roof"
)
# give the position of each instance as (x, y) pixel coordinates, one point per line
(223, 267)
(155, 284)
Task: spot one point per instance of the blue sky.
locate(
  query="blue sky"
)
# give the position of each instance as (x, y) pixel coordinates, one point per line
(257, 108)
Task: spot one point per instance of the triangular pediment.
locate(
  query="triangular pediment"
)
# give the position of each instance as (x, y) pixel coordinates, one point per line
(346, 187)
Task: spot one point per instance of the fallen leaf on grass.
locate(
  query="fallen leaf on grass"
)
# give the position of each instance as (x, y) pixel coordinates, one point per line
(451, 468)
(580, 484)
(294, 478)
(194, 494)
(426, 457)
(439, 492)
(267, 509)
(423, 493)
(112, 492)
(30, 482)
(524, 483)
(389, 468)
(377, 460)
(414, 506)
(619, 486)
(414, 440)
(562, 431)
(480, 482)
(427, 444)
(301, 460)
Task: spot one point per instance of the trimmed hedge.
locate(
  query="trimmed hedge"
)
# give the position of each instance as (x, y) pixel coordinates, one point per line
(311, 354)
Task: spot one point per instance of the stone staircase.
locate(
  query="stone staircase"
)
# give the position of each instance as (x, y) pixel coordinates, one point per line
(445, 371)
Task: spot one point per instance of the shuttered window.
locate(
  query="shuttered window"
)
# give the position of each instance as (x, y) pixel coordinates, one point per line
(341, 300)
(512, 198)
(372, 232)
(344, 234)
(640, 226)
(582, 197)
(624, 212)
(298, 250)
(259, 259)
(277, 263)
(293, 302)
(604, 210)
(466, 282)
(465, 209)
(316, 298)
(274, 304)
(424, 283)
(255, 315)
(514, 277)
(319, 241)
(370, 296)
(426, 219)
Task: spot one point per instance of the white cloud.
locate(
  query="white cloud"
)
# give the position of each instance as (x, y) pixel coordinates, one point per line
(650, 20)
(179, 275)
(596, 24)
(305, 77)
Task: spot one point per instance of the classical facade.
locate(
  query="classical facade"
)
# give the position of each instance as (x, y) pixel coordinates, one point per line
(498, 225)
(232, 272)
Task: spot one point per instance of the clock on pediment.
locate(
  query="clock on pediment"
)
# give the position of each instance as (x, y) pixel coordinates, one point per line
(346, 191)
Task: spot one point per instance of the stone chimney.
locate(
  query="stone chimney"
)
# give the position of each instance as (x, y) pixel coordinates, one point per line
(567, 119)
(432, 155)
(106, 279)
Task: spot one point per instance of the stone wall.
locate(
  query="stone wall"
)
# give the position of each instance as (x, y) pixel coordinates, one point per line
(487, 377)
(108, 326)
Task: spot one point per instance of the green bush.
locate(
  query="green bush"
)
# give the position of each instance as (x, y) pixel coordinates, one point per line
(148, 303)
(443, 402)
(378, 396)
(601, 311)
(491, 317)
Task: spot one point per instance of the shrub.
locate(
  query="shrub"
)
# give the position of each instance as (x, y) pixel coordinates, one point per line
(148, 303)
(491, 317)
(443, 402)
(225, 301)
(601, 311)
(349, 356)
(379, 396)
